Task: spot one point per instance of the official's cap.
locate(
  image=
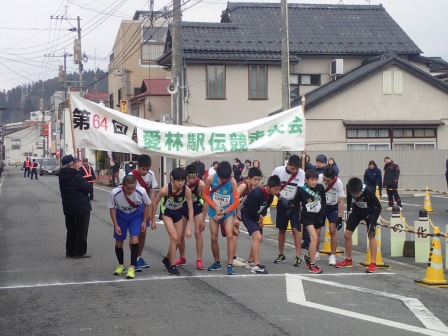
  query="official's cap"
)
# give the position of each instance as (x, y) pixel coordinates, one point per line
(85, 160)
(321, 158)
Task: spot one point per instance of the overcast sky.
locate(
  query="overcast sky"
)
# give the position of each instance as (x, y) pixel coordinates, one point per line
(32, 44)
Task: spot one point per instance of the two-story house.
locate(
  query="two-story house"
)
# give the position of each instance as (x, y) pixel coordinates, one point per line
(365, 82)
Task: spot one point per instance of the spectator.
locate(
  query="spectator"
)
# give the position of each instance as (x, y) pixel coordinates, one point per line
(390, 181)
(308, 164)
(321, 163)
(256, 164)
(34, 166)
(332, 164)
(2, 167)
(76, 205)
(246, 168)
(372, 176)
(200, 167)
(237, 169)
(212, 169)
(446, 172)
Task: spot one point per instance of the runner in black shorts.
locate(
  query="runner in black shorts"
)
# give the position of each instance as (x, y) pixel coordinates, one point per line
(365, 206)
(200, 209)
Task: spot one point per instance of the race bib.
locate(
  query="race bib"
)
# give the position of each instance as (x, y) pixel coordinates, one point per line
(313, 207)
(221, 200)
(173, 205)
(289, 192)
(362, 205)
(331, 197)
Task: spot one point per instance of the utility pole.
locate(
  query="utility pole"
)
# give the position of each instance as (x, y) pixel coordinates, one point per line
(41, 105)
(286, 100)
(80, 59)
(177, 67)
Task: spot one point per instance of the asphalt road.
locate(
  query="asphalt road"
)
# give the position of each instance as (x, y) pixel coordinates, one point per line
(43, 293)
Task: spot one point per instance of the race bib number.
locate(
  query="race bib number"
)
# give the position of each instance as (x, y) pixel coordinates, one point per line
(221, 200)
(173, 205)
(362, 205)
(289, 192)
(313, 207)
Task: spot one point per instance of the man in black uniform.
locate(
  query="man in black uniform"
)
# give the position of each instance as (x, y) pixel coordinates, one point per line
(391, 176)
(200, 168)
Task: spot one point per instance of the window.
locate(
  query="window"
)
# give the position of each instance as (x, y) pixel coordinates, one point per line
(415, 146)
(392, 82)
(216, 81)
(120, 93)
(367, 133)
(414, 133)
(150, 52)
(134, 111)
(258, 82)
(294, 91)
(111, 101)
(15, 144)
(154, 34)
(367, 146)
(309, 79)
(153, 43)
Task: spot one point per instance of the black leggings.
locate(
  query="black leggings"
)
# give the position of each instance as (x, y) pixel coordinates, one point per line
(391, 194)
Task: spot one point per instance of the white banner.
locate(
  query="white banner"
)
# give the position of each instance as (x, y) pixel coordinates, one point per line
(102, 128)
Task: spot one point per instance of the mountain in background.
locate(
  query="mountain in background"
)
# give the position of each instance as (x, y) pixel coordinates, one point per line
(17, 103)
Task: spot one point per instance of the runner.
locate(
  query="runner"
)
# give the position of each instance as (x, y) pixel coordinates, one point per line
(291, 177)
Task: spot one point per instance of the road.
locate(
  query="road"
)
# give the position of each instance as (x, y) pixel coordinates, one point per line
(43, 293)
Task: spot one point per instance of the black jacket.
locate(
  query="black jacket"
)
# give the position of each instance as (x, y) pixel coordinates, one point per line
(74, 192)
(372, 178)
(391, 175)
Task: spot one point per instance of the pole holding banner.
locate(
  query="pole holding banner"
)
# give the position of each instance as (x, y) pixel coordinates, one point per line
(71, 120)
(304, 150)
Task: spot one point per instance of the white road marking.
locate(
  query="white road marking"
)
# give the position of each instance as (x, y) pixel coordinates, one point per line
(208, 275)
(428, 319)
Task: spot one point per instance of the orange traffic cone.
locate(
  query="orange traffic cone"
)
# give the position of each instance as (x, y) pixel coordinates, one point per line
(434, 270)
(427, 203)
(327, 245)
(379, 257)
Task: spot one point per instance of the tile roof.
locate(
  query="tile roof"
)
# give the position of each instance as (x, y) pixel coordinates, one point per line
(367, 68)
(252, 30)
(153, 87)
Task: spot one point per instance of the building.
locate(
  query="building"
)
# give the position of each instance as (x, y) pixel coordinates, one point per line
(365, 82)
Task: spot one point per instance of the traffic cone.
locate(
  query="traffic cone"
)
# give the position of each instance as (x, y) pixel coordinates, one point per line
(327, 245)
(427, 204)
(379, 257)
(434, 270)
(377, 193)
(267, 220)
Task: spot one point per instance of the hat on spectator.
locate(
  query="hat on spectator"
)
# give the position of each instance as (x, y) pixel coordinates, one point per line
(68, 159)
(321, 158)
(85, 160)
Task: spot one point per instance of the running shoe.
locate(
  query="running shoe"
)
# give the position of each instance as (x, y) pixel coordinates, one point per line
(137, 268)
(216, 266)
(131, 273)
(298, 261)
(332, 260)
(280, 259)
(307, 261)
(142, 263)
(230, 270)
(238, 263)
(371, 268)
(181, 262)
(315, 269)
(249, 265)
(120, 270)
(259, 270)
(173, 271)
(344, 263)
(166, 263)
(200, 265)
